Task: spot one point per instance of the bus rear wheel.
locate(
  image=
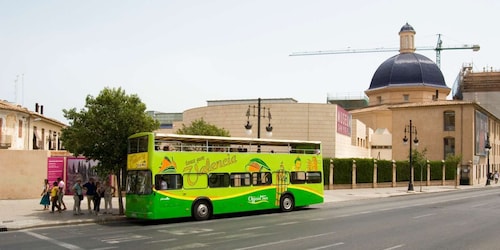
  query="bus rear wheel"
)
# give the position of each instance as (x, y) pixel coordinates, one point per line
(202, 210)
(287, 203)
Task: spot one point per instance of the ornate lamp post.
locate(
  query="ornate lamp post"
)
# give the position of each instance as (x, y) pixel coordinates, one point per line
(410, 129)
(261, 113)
(487, 147)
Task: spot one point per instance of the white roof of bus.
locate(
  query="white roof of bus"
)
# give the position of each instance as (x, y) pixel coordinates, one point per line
(232, 140)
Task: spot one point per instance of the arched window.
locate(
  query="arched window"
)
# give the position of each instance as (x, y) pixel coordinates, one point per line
(449, 120)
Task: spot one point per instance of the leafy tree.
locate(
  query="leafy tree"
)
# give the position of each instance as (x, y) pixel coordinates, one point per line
(201, 127)
(419, 158)
(100, 130)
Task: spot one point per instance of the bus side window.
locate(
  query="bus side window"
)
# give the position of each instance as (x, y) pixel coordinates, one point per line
(298, 177)
(240, 179)
(158, 181)
(314, 177)
(261, 178)
(218, 180)
(168, 181)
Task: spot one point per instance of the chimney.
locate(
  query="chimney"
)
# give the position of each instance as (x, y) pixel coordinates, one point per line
(41, 109)
(36, 107)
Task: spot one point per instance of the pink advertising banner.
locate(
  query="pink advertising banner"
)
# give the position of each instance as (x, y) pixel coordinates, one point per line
(343, 121)
(55, 168)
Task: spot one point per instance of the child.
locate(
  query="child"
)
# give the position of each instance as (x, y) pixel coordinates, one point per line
(54, 196)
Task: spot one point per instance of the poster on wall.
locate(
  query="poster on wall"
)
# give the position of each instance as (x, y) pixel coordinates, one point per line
(55, 168)
(481, 132)
(344, 120)
(78, 167)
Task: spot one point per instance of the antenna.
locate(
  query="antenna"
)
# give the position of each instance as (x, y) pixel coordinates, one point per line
(22, 89)
(15, 89)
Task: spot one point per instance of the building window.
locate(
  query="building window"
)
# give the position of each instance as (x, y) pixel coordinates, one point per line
(449, 146)
(406, 98)
(20, 129)
(42, 140)
(379, 99)
(166, 126)
(449, 120)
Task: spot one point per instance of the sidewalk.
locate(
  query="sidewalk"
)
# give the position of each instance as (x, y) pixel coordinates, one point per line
(23, 214)
(28, 213)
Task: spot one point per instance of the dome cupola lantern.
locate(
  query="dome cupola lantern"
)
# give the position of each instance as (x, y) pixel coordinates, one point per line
(407, 39)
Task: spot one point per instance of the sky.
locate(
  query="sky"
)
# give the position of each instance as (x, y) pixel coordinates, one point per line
(178, 54)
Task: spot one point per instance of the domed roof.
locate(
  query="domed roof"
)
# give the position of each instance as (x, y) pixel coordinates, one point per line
(407, 27)
(408, 69)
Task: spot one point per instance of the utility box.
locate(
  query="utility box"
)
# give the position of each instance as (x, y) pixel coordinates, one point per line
(465, 175)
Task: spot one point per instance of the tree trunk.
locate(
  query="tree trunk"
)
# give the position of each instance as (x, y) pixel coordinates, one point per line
(120, 198)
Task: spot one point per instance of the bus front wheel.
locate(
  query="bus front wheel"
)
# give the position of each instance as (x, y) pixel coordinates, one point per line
(201, 210)
(287, 203)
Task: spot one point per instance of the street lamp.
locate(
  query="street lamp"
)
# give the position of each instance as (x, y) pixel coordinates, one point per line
(251, 112)
(487, 147)
(410, 129)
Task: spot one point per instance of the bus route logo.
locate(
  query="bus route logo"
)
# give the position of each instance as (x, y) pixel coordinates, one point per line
(258, 199)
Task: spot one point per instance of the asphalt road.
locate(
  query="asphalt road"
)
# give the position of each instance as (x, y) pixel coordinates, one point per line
(467, 219)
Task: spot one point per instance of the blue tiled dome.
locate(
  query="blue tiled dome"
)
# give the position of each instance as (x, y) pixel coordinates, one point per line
(407, 69)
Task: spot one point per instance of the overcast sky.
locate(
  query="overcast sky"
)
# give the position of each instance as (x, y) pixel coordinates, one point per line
(176, 55)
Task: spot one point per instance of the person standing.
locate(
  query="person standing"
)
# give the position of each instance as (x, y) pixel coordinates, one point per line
(90, 189)
(54, 192)
(45, 201)
(99, 193)
(77, 197)
(108, 197)
(60, 195)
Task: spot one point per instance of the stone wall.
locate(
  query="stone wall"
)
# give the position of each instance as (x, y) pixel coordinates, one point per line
(23, 172)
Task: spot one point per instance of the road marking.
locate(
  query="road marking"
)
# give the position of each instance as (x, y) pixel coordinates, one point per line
(287, 223)
(251, 228)
(318, 219)
(211, 234)
(394, 247)
(421, 216)
(187, 231)
(283, 241)
(53, 241)
(189, 246)
(327, 246)
(159, 241)
(126, 238)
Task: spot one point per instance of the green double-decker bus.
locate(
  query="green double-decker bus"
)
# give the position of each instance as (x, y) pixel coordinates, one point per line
(171, 176)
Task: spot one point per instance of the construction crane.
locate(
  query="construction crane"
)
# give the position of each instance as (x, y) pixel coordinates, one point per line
(439, 47)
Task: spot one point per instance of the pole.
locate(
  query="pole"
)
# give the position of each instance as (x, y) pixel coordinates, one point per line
(488, 148)
(421, 173)
(489, 171)
(258, 123)
(410, 183)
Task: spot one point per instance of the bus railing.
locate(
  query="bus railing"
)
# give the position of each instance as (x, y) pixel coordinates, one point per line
(189, 147)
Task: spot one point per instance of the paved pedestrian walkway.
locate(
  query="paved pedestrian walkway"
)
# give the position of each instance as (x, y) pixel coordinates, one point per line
(27, 213)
